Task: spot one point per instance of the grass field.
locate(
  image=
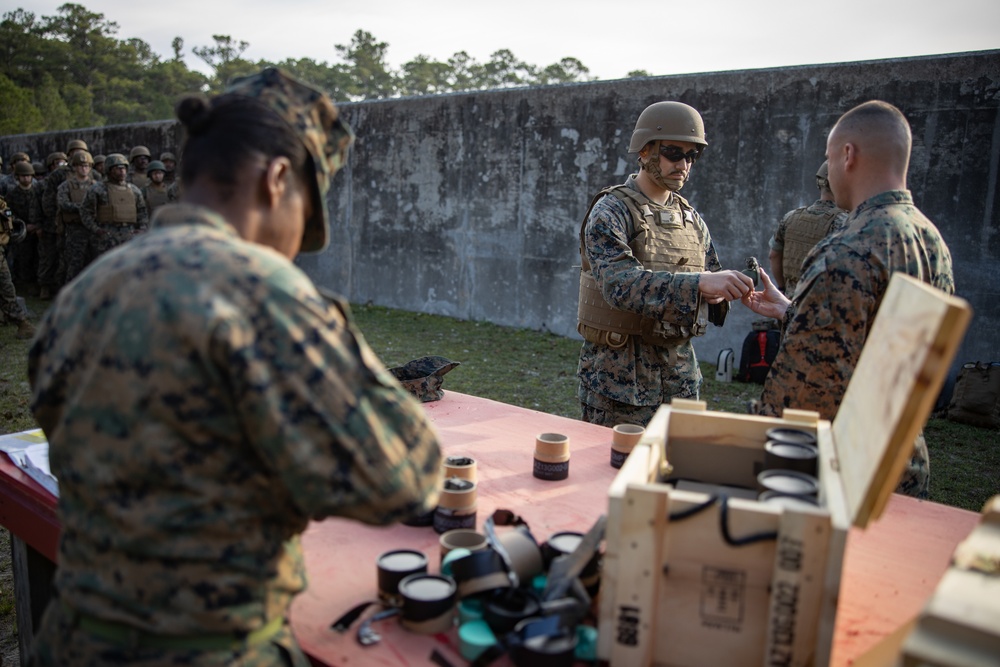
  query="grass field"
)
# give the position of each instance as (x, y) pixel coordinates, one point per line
(528, 369)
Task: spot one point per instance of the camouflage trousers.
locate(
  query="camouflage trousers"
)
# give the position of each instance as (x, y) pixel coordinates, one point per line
(8, 297)
(80, 250)
(113, 236)
(604, 411)
(61, 642)
(48, 258)
(916, 479)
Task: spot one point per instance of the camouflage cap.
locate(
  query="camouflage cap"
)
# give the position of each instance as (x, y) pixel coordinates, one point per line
(313, 115)
(422, 377)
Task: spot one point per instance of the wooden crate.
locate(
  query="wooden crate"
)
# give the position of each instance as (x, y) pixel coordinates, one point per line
(696, 579)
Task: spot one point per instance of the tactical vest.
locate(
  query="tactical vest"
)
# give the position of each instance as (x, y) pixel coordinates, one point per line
(661, 239)
(804, 229)
(77, 193)
(155, 196)
(120, 209)
(139, 180)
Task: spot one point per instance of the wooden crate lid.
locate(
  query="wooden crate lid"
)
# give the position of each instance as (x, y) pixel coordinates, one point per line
(897, 379)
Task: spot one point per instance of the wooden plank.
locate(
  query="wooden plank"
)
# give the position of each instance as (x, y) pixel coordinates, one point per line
(33, 574)
(712, 602)
(897, 378)
(643, 520)
(634, 470)
(797, 588)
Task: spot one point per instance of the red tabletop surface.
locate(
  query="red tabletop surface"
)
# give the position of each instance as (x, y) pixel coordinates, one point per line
(27, 509)
(890, 570)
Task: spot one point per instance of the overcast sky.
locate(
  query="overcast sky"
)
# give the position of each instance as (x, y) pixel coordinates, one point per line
(610, 38)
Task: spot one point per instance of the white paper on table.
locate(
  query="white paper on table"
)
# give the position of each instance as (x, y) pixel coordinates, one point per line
(29, 450)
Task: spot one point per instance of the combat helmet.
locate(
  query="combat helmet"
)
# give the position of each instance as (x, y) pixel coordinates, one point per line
(99, 159)
(39, 168)
(115, 160)
(823, 176)
(76, 145)
(20, 157)
(156, 165)
(136, 152)
(55, 157)
(23, 168)
(81, 157)
(167, 156)
(671, 121)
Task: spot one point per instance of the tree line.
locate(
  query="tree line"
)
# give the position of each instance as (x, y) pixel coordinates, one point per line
(70, 70)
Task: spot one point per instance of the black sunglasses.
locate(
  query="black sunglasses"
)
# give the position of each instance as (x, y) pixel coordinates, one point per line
(675, 154)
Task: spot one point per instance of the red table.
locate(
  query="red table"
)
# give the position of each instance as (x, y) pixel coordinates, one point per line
(889, 571)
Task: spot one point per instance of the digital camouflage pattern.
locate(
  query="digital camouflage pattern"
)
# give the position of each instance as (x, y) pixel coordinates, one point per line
(9, 306)
(327, 137)
(203, 403)
(26, 203)
(842, 285)
(423, 377)
(799, 231)
(629, 383)
(80, 246)
(108, 236)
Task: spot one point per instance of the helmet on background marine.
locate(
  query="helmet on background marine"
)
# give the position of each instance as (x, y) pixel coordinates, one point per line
(155, 165)
(24, 169)
(81, 157)
(55, 157)
(76, 145)
(115, 160)
(136, 152)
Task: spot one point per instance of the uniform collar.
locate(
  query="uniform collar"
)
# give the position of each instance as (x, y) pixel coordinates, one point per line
(175, 215)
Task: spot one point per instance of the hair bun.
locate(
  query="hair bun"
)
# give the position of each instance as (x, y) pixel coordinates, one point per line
(195, 113)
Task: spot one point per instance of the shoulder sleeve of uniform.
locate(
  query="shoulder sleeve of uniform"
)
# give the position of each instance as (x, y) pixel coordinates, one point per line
(336, 427)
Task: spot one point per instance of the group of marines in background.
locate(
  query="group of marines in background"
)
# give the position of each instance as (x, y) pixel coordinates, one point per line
(56, 217)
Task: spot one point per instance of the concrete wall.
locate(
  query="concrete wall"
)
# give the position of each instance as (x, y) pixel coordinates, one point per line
(469, 205)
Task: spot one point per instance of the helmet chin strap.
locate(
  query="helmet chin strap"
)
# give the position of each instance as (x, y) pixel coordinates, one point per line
(651, 164)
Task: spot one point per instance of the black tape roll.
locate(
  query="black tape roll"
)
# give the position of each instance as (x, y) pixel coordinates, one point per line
(478, 572)
(506, 608)
(427, 596)
(786, 455)
(793, 435)
(393, 566)
(543, 642)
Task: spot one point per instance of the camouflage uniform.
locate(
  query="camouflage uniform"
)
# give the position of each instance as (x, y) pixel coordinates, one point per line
(203, 403)
(108, 234)
(799, 231)
(628, 383)
(9, 307)
(80, 246)
(155, 196)
(26, 204)
(50, 264)
(842, 284)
